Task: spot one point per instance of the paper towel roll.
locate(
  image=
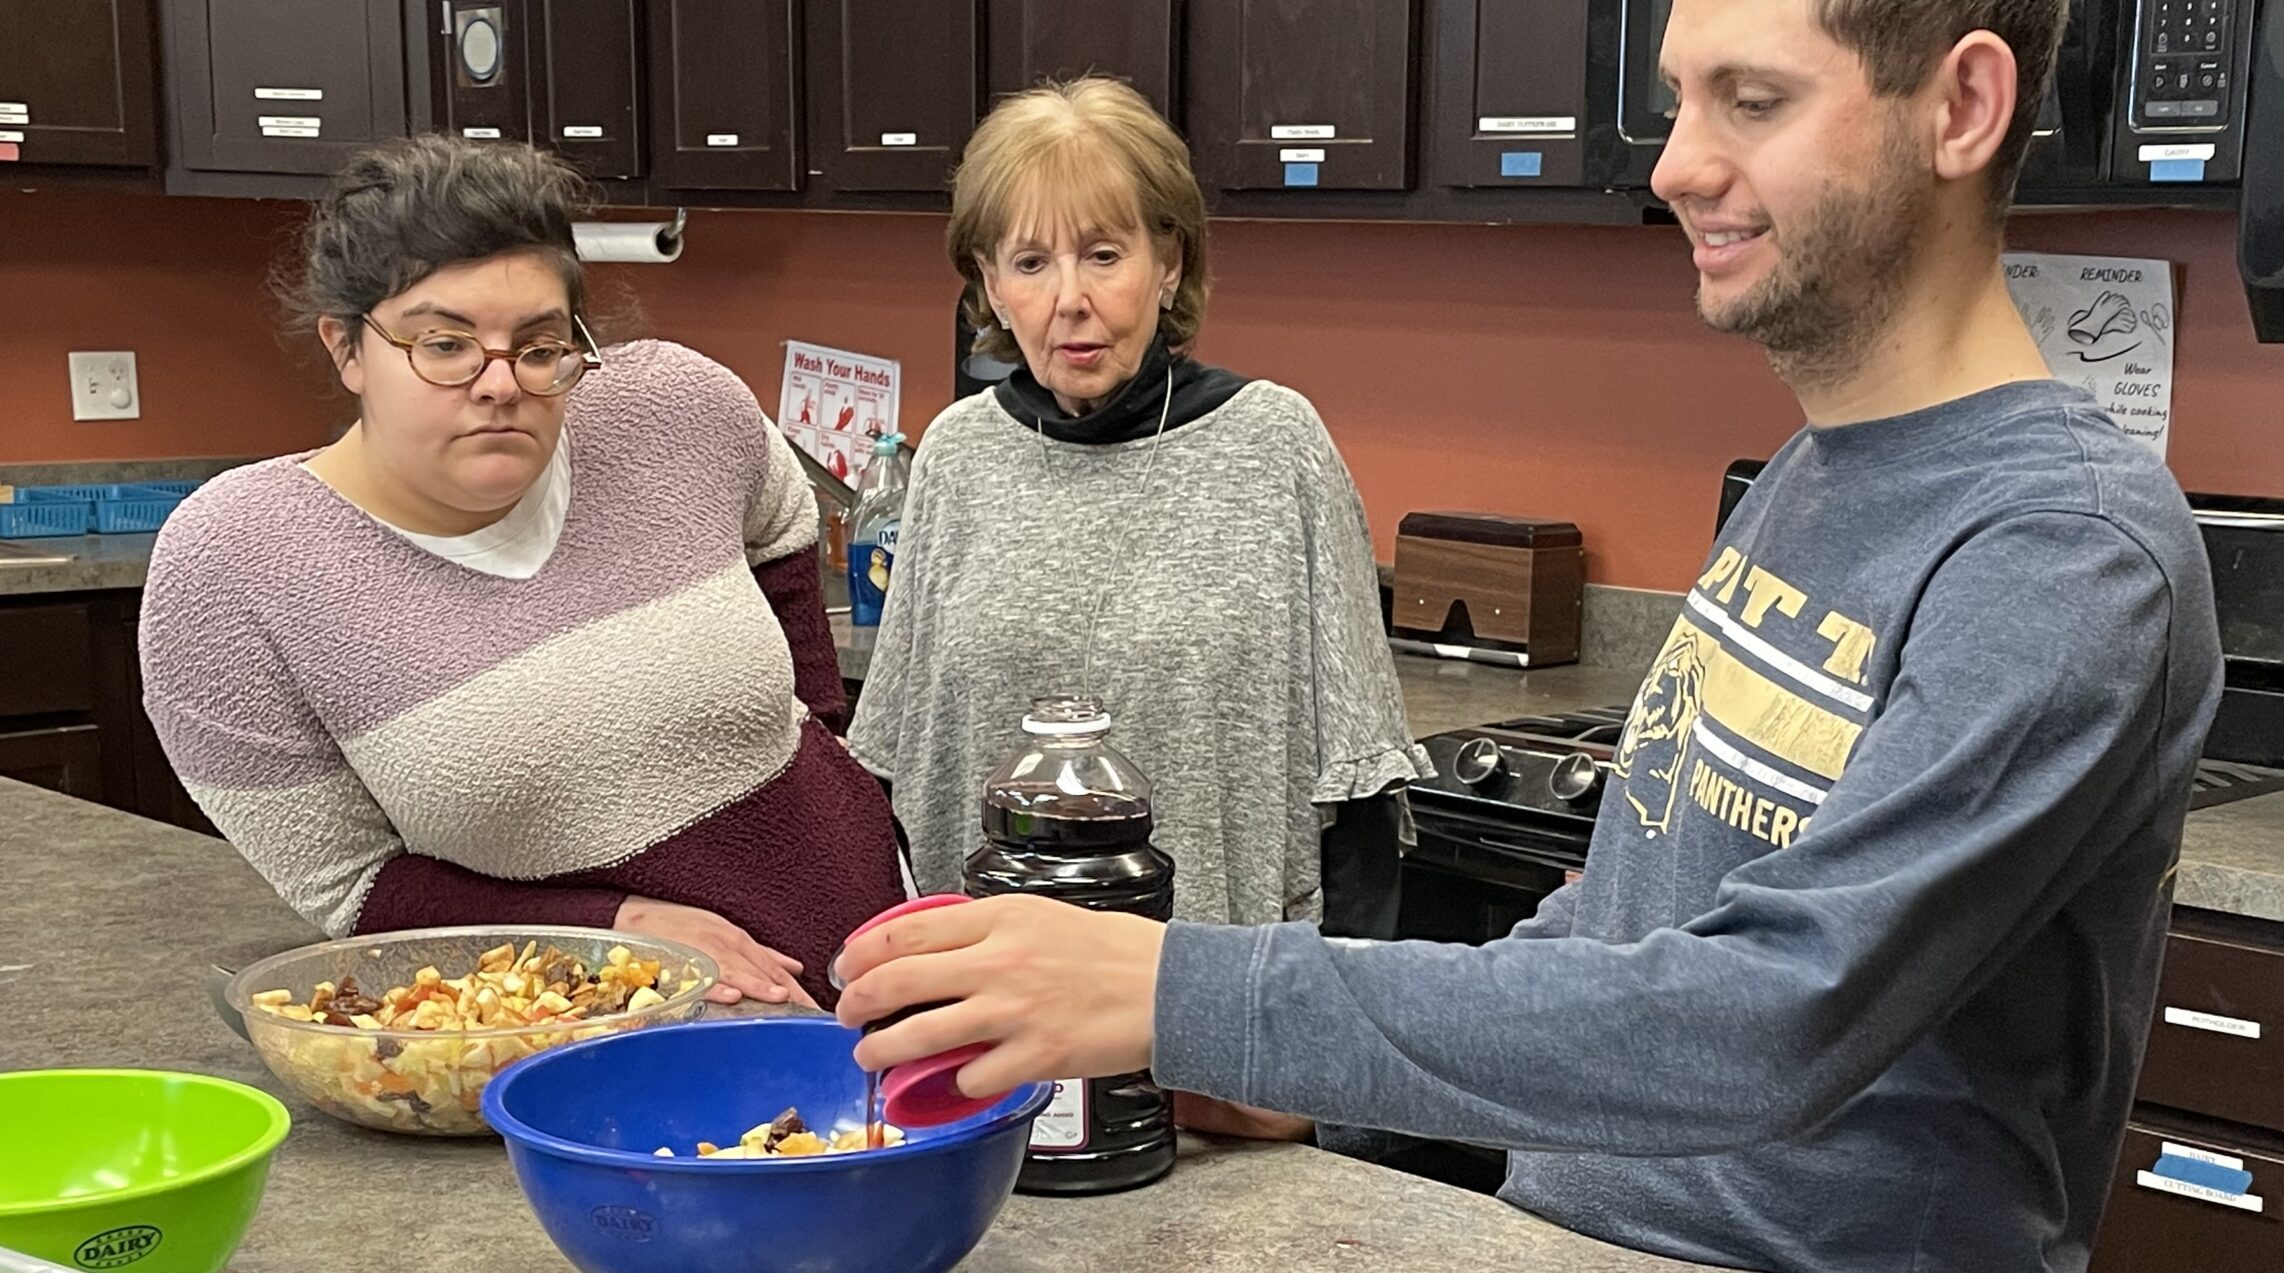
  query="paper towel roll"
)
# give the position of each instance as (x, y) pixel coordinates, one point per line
(638, 242)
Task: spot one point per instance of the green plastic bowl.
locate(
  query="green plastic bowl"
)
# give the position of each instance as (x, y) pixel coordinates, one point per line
(132, 1169)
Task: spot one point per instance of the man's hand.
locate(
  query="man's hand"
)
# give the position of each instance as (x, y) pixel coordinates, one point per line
(1058, 991)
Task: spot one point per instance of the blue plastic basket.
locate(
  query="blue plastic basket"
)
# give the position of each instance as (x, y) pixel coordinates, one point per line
(176, 489)
(66, 494)
(134, 516)
(45, 518)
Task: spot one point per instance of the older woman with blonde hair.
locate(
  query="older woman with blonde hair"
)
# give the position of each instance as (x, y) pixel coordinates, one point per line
(1120, 521)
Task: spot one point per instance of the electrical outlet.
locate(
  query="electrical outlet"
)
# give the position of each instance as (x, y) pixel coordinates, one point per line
(103, 386)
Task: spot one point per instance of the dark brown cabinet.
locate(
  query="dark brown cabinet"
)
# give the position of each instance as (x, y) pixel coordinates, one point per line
(65, 758)
(586, 57)
(723, 95)
(1509, 84)
(77, 83)
(1134, 40)
(71, 706)
(480, 80)
(566, 74)
(281, 86)
(50, 668)
(2155, 1224)
(2216, 1046)
(2211, 1089)
(894, 89)
(1301, 94)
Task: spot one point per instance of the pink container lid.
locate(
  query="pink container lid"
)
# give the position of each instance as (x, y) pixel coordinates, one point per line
(922, 1093)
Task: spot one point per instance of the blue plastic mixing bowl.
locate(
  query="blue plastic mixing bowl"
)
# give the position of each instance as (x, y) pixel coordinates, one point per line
(582, 1124)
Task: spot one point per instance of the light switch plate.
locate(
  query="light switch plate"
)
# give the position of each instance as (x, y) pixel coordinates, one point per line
(103, 386)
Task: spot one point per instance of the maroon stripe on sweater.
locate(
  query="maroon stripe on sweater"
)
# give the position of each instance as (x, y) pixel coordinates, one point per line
(796, 595)
(798, 863)
(413, 891)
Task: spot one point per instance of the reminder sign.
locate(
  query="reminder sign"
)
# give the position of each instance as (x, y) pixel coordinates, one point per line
(2105, 324)
(833, 403)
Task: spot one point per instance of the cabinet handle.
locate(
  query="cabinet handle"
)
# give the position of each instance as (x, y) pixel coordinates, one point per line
(444, 17)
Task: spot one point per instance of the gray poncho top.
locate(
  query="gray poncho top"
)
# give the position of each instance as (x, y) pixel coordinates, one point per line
(1238, 648)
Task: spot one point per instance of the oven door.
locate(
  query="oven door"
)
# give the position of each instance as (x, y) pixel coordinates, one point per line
(1474, 876)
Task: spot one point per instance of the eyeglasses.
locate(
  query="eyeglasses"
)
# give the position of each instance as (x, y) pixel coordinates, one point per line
(449, 359)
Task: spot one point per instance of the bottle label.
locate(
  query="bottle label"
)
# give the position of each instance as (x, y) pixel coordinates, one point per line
(869, 567)
(864, 597)
(1062, 1126)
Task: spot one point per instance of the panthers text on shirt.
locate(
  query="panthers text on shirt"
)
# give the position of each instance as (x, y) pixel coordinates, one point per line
(1731, 723)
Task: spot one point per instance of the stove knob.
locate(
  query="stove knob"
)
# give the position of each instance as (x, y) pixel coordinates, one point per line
(1573, 777)
(1478, 762)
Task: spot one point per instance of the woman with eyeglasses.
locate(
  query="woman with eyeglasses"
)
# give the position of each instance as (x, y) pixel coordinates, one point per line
(539, 639)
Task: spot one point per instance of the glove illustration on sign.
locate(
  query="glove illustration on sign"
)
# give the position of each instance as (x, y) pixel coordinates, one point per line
(2110, 313)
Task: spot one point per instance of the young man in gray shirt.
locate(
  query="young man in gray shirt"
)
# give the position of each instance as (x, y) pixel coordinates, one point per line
(1861, 966)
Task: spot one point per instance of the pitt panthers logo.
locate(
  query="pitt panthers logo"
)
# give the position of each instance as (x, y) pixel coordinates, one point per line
(1650, 755)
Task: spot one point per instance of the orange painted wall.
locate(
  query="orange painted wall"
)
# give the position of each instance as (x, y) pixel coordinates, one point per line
(1547, 371)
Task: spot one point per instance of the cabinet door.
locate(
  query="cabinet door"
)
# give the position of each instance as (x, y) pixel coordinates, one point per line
(2216, 1043)
(894, 90)
(722, 97)
(66, 759)
(1509, 82)
(1301, 93)
(2156, 1224)
(483, 70)
(49, 668)
(77, 82)
(588, 60)
(283, 86)
(1034, 40)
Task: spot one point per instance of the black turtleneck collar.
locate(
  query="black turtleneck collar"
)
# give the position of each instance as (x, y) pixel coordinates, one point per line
(1132, 412)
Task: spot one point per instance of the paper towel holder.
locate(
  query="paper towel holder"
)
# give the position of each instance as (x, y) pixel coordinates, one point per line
(635, 242)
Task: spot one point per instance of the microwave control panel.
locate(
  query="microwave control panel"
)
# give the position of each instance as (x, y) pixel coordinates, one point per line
(2185, 64)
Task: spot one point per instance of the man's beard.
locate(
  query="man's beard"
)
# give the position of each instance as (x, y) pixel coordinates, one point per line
(1839, 273)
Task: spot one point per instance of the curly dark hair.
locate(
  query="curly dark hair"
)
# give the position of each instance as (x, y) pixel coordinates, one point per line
(399, 212)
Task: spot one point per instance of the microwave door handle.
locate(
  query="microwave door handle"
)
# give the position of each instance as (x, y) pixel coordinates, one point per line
(2081, 91)
(2260, 215)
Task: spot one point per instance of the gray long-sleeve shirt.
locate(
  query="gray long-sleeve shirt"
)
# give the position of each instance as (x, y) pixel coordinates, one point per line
(1861, 966)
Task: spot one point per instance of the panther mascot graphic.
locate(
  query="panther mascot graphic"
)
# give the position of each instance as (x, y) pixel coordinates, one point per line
(1650, 755)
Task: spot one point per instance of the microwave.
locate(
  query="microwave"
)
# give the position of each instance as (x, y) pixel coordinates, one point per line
(2152, 101)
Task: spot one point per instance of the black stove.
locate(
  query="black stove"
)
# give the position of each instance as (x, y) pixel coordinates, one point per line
(1509, 814)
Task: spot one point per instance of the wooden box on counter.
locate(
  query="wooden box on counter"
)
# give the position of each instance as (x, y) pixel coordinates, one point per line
(1504, 583)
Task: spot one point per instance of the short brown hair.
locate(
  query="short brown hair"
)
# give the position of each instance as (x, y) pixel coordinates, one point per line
(400, 211)
(1090, 146)
(1900, 42)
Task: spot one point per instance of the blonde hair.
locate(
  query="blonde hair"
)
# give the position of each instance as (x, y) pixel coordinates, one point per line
(1091, 150)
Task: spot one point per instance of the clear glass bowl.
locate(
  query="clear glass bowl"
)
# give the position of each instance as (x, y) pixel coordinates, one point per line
(431, 1082)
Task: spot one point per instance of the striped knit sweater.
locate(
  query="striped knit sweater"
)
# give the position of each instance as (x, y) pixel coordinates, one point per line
(396, 741)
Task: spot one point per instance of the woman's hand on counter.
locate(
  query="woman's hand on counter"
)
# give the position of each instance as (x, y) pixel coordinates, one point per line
(1217, 1117)
(750, 970)
(1057, 990)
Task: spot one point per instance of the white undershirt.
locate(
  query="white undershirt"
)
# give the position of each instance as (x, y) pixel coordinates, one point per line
(517, 545)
